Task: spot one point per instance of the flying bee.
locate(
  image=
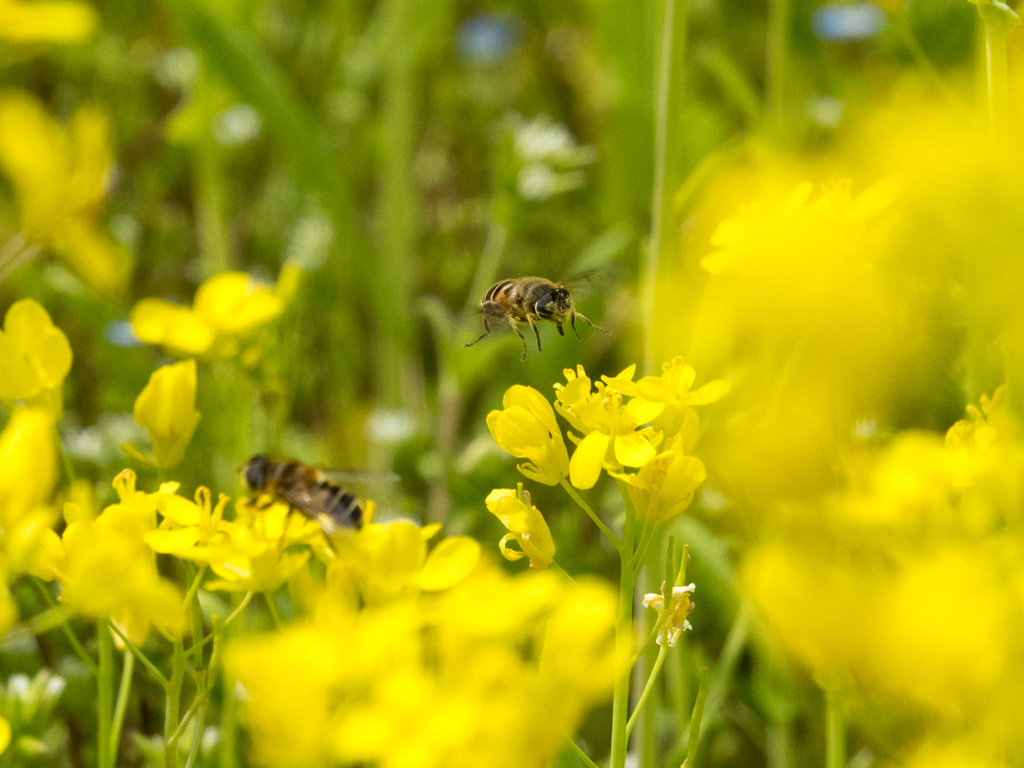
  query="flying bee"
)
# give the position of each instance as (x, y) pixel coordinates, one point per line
(310, 489)
(530, 300)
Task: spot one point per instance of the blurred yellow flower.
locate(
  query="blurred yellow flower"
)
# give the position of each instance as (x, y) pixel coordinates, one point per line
(227, 304)
(35, 356)
(28, 473)
(442, 681)
(46, 22)
(664, 486)
(110, 572)
(386, 561)
(167, 408)
(5, 734)
(61, 175)
(527, 429)
(673, 618)
(525, 524)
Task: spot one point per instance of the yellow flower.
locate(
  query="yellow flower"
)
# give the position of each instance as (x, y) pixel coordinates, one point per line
(60, 176)
(664, 486)
(5, 734)
(672, 390)
(28, 473)
(110, 572)
(613, 441)
(527, 429)
(525, 524)
(167, 408)
(439, 681)
(679, 607)
(227, 304)
(385, 561)
(186, 524)
(34, 357)
(46, 22)
(249, 552)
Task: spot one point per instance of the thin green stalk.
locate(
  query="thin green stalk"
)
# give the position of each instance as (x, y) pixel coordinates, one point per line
(231, 617)
(209, 198)
(647, 643)
(563, 572)
(137, 653)
(272, 607)
(998, 20)
(69, 468)
(835, 731)
(197, 735)
(641, 551)
(69, 633)
(104, 694)
(651, 679)
(228, 720)
(186, 718)
(623, 637)
(696, 719)
(173, 706)
(778, 28)
(581, 754)
(653, 252)
(194, 589)
(722, 675)
(121, 707)
(593, 516)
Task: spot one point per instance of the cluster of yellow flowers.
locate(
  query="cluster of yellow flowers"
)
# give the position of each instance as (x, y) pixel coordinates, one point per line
(647, 425)
(930, 542)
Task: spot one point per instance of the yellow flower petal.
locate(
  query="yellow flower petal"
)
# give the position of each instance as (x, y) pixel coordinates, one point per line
(449, 562)
(233, 301)
(5, 733)
(46, 22)
(633, 450)
(156, 321)
(172, 542)
(587, 460)
(709, 392)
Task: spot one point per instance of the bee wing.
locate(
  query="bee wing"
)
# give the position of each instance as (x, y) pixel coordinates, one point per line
(357, 476)
(591, 282)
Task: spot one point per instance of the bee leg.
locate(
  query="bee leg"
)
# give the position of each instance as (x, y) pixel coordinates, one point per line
(519, 333)
(487, 330)
(535, 332)
(560, 331)
(586, 320)
(254, 503)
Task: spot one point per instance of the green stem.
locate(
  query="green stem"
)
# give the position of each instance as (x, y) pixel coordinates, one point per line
(696, 718)
(137, 653)
(778, 28)
(582, 755)
(655, 670)
(835, 731)
(593, 516)
(272, 607)
(105, 694)
(197, 735)
(231, 617)
(194, 589)
(173, 706)
(653, 251)
(722, 676)
(228, 719)
(69, 633)
(647, 643)
(641, 550)
(210, 208)
(189, 714)
(623, 637)
(562, 571)
(122, 704)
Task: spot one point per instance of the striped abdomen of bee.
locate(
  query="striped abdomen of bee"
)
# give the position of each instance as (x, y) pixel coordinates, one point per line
(304, 488)
(529, 300)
